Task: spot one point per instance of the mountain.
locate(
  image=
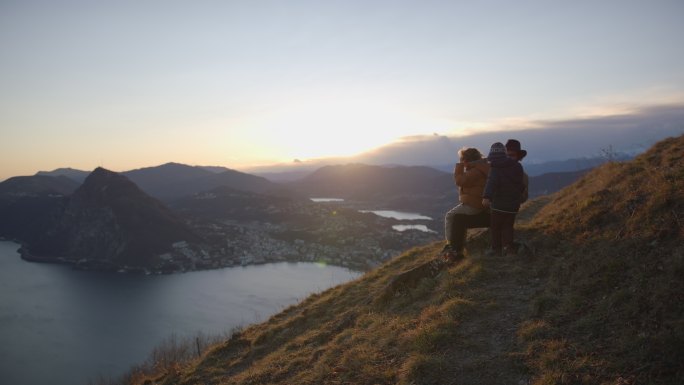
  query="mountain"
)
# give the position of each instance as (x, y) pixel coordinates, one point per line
(108, 220)
(366, 182)
(412, 188)
(572, 165)
(215, 169)
(28, 204)
(37, 185)
(596, 298)
(172, 181)
(73, 174)
(551, 182)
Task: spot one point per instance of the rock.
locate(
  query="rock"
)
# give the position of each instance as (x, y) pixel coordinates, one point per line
(410, 279)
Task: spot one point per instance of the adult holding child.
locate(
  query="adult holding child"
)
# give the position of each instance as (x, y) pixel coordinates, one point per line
(503, 194)
(514, 151)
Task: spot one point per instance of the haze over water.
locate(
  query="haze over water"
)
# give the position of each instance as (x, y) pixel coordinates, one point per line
(60, 326)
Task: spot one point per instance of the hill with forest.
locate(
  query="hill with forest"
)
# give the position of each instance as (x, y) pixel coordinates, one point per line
(596, 298)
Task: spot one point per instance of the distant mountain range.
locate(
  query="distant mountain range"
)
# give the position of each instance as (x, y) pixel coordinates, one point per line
(365, 182)
(108, 220)
(400, 187)
(118, 219)
(171, 181)
(37, 185)
(292, 173)
(30, 205)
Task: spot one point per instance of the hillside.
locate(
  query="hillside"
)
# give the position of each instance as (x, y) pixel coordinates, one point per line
(597, 299)
(549, 183)
(366, 182)
(415, 189)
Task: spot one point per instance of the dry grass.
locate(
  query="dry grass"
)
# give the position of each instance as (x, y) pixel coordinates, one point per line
(600, 300)
(641, 199)
(612, 311)
(447, 330)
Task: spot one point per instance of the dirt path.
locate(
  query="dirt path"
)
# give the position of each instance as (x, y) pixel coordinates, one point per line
(490, 352)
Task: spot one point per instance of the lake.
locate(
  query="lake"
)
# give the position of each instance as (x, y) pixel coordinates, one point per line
(62, 326)
(413, 227)
(326, 200)
(401, 215)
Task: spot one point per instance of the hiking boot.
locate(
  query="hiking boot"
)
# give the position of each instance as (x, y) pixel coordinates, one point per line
(510, 251)
(454, 257)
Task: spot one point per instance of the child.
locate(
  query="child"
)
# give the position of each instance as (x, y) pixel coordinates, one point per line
(503, 194)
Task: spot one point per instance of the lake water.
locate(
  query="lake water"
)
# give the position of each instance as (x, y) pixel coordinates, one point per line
(324, 200)
(413, 227)
(61, 326)
(403, 216)
(400, 215)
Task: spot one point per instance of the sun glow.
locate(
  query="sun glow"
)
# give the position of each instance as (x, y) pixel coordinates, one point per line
(335, 128)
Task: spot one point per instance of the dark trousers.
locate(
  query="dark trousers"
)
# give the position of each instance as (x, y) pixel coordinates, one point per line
(502, 230)
(457, 226)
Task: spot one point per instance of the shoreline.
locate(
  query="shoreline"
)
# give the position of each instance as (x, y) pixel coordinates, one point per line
(89, 265)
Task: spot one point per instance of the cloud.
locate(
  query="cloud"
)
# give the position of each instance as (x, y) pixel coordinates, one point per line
(630, 131)
(545, 140)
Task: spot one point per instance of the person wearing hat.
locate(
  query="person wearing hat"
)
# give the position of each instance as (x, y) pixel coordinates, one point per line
(513, 150)
(503, 195)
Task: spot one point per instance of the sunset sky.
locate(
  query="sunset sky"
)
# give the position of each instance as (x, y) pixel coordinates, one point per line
(128, 84)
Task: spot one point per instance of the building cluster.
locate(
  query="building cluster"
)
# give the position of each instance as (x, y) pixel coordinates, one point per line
(314, 233)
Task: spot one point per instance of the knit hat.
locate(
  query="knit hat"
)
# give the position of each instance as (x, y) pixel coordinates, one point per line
(497, 151)
(514, 145)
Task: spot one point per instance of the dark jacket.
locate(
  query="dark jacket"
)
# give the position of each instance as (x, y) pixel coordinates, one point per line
(504, 184)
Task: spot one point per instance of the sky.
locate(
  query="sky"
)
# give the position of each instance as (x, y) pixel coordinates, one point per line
(131, 84)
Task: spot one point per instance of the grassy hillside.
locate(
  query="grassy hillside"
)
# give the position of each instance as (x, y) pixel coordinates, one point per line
(598, 300)
(612, 309)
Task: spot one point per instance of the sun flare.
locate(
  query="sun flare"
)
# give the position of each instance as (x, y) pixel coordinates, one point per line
(339, 128)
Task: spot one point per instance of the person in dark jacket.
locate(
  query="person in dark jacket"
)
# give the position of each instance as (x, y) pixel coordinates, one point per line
(502, 194)
(514, 150)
